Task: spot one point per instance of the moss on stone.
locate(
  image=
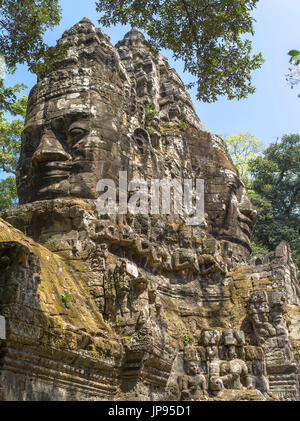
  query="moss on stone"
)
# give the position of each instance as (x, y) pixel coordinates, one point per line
(60, 277)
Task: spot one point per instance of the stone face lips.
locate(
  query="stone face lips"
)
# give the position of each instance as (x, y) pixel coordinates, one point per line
(135, 306)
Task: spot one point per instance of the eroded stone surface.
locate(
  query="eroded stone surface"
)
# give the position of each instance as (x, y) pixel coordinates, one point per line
(135, 306)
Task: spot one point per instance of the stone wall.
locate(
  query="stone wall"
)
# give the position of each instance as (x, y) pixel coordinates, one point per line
(135, 306)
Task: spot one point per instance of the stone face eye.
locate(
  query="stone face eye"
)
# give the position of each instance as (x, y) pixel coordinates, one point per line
(30, 142)
(77, 132)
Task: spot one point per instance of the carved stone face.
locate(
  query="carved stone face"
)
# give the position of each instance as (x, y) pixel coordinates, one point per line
(48, 154)
(230, 213)
(237, 214)
(231, 352)
(74, 120)
(212, 352)
(258, 308)
(86, 121)
(192, 368)
(64, 153)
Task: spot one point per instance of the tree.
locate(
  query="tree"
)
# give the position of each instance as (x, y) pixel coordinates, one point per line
(10, 144)
(22, 25)
(10, 137)
(243, 148)
(8, 193)
(275, 192)
(277, 175)
(208, 35)
(293, 77)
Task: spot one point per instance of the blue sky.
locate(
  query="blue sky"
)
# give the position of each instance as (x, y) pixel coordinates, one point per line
(268, 114)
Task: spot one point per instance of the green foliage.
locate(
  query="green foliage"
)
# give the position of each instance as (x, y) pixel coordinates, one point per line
(258, 249)
(293, 77)
(207, 35)
(182, 125)
(10, 137)
(150, 113)
(186, 340)
(150, 131)
(8, 96)
(65, 299)
(150, 108)
(8, 193)
(22, 26)
(10, 144)
(206, 129)
(277, 175)
(275, 192)
(243, 148)
(295, 56)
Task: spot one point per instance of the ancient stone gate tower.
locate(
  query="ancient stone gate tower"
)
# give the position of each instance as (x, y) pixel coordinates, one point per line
(135, 306)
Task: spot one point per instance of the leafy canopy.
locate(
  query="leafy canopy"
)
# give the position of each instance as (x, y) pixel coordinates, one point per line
(208, 35)
(22, 25)
(243, 148)
(10, 145)
(8, 193)
(295, 56)
(293, 77)
(277, 175)
(275, 192)
(10, 137)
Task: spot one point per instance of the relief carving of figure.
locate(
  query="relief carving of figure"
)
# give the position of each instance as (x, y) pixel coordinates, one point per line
(193, 383)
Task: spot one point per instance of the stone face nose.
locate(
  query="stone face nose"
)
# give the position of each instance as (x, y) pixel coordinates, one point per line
(248, 209)
(49, 149)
